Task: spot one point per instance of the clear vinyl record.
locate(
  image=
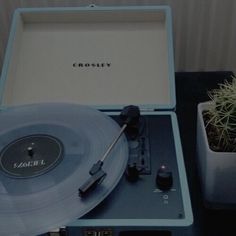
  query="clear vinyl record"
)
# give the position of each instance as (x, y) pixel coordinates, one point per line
(46, 152)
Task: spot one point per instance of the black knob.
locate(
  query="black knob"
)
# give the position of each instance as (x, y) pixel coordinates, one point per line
(130, 115)
(132, 173)
(164, 178)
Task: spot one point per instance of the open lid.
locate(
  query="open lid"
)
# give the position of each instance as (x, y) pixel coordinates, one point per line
(106, 57)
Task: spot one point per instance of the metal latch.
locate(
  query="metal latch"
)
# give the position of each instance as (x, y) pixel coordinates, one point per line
(58, 232)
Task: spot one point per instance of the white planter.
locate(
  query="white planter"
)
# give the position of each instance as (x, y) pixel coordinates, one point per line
(217, 170)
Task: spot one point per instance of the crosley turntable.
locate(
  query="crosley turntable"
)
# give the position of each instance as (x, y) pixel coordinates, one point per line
(66, 164)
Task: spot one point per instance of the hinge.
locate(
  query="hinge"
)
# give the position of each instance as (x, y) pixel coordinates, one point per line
(58, 232)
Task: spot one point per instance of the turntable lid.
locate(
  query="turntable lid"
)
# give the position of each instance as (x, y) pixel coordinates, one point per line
(101, 56)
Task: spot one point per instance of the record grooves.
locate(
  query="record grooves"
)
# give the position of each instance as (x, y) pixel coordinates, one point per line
(34, 195)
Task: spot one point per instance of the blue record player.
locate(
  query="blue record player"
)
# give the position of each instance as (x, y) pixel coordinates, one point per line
(106, 58)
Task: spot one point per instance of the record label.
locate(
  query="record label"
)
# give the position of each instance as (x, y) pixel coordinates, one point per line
(31, 156)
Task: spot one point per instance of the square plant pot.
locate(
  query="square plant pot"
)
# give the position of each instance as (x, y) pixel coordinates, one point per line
(217, 170)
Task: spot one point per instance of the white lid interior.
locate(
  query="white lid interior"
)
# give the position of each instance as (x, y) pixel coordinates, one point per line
(48, 47)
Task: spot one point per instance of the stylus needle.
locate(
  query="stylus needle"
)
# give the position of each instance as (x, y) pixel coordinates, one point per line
(96, 172)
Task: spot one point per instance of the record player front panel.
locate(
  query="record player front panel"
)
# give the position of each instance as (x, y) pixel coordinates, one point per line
(143, 199)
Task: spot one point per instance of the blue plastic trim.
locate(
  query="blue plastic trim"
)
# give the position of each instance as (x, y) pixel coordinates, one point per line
(171, 58)
(142, 107)
(129, 222)
(19, 11)
(182, 171)
(8, 54)
(187, 221)
(89, 8)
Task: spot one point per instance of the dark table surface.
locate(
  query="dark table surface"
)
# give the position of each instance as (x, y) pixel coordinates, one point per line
(191, 89)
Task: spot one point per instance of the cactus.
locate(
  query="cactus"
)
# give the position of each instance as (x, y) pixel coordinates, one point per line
(220, 119)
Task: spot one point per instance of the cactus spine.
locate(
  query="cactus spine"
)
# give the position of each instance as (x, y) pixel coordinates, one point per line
(221, 117)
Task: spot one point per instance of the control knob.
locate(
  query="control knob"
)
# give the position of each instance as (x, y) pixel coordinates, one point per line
(164, 178)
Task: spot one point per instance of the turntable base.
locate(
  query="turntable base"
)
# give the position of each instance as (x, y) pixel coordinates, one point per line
(141, 207)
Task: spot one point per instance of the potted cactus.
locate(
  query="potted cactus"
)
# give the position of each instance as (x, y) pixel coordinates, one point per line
(216, 146)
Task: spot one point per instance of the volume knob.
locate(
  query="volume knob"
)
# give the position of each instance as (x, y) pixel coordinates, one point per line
(164, 178)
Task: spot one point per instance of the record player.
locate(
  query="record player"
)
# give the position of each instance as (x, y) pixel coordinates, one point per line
(89, 138)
